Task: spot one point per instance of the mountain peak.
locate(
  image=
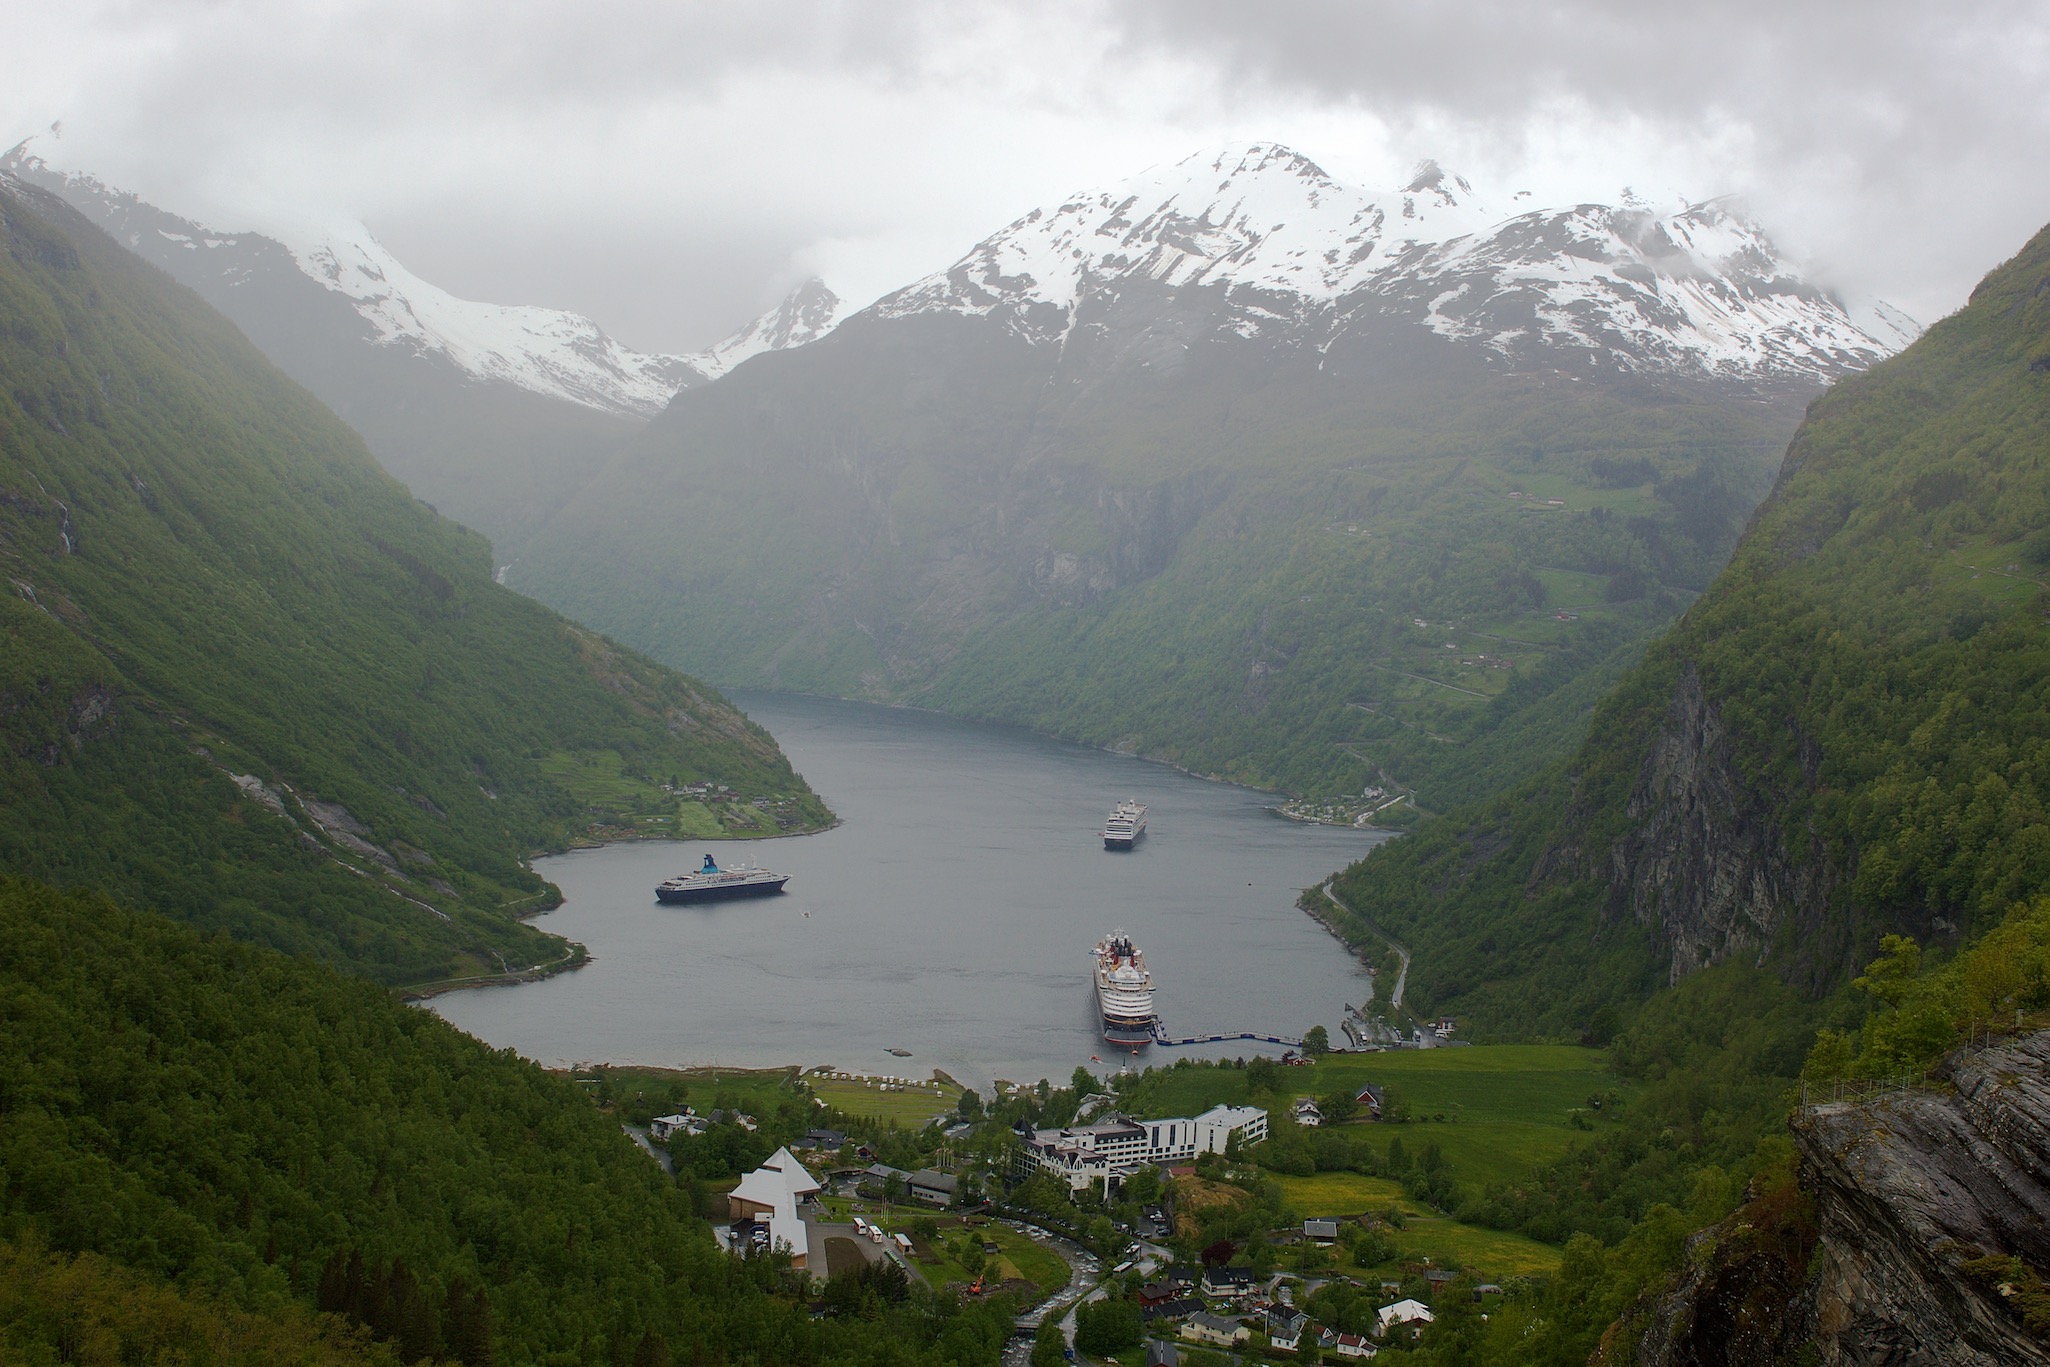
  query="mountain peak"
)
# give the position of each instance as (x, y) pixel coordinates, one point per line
(1287, 253)
(807, 313)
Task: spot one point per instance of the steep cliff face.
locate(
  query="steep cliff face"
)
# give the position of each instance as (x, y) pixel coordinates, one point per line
(1847, 735)
(1926, 1227)
(1705, 863)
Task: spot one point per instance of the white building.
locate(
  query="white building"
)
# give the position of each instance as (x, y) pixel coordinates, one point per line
(771, 1195)
(1115, 1147)
(1399, 1314)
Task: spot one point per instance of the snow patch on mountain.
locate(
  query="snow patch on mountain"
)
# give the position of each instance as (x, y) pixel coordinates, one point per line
(1297, 257)
(807, 313)
(553, 352)
(549, 351)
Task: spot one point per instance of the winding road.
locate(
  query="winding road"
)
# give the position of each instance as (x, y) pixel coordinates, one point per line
(1402, 977)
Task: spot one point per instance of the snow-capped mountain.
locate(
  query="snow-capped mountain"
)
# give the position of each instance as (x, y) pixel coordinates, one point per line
(1287, 253)
(807, 313)
(549, 352)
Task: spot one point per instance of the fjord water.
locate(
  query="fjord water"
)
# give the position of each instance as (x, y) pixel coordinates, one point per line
(951, 914)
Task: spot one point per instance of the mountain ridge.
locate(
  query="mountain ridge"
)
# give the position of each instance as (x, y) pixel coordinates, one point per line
(1841, 739)
(251, 681)
(1300, 254)
(1114, 444)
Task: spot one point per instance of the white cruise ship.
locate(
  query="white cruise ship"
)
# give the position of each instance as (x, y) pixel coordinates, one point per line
(1124, 992)
(1126, 823)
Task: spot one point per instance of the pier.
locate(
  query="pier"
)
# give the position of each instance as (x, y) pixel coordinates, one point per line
(1160, 1037)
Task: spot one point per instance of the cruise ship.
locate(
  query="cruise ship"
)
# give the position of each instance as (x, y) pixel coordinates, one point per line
(714, 884)
(1127, 822)
(1124, 992)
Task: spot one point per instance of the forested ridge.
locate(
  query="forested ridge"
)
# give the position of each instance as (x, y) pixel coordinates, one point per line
(248, 680)
(1248, 564)
(1805, 837)
(263, 1132)
(1858, 710)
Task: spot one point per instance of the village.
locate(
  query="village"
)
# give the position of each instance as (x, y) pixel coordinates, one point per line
(1109, 1230)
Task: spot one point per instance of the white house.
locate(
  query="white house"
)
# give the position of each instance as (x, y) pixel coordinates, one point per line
(1285, 1328)
(1353, 1346)
(1407, 1312)
(772, 1194)
(662, 1126)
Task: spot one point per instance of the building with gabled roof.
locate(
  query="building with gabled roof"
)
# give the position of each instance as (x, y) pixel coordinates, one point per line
(1410, 1312)
(771, 1196)
(1205, 1327)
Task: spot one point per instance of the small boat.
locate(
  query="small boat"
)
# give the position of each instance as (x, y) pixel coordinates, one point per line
(714, 884)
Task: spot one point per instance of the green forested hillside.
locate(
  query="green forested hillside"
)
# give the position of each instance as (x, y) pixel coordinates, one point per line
(1848, 735)
(247, 679)
(227, 1123)
(1314, 571)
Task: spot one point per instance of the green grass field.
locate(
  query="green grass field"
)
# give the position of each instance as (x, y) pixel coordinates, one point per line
(1018, 1254)
(1536, 1083)
(1428, 1234)
(1491, 1253)
(1343, 1193)
(1496, 1111)
(909, 1107)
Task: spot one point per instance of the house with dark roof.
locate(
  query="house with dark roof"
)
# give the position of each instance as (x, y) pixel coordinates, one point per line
(1285, 1327)
(1169, 1311)
(1227, 1283)
(933, 1187)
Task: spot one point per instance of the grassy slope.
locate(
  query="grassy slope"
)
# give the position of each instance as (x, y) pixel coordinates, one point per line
(890, 513)
(210, 576)
(1877, 654)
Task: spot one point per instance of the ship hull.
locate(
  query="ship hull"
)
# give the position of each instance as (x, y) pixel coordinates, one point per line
(767, 887)
(1126, 1035)
(1123, 842)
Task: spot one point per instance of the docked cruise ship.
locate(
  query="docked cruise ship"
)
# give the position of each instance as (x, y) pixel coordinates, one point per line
(1127, 822)
(1124, 992)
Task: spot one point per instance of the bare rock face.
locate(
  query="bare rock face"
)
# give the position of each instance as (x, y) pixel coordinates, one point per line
(1913, 1187)
(1922, 1229)
(1705, 865)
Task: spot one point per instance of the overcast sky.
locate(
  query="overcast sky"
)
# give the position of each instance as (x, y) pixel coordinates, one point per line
(670, 168)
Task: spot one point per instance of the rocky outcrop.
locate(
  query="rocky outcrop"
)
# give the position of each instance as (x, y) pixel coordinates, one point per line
(1917, 1187)
(1931, 1220)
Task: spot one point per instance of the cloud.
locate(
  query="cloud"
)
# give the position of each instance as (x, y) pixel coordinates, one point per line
(668, 167)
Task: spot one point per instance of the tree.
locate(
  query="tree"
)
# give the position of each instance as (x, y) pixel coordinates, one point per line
(1317, 1040)
(1049, 1345)
(1083, 1082)
(1107, 1326)
(970, 1105)
(1263, 1075)
(1340, 1106)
